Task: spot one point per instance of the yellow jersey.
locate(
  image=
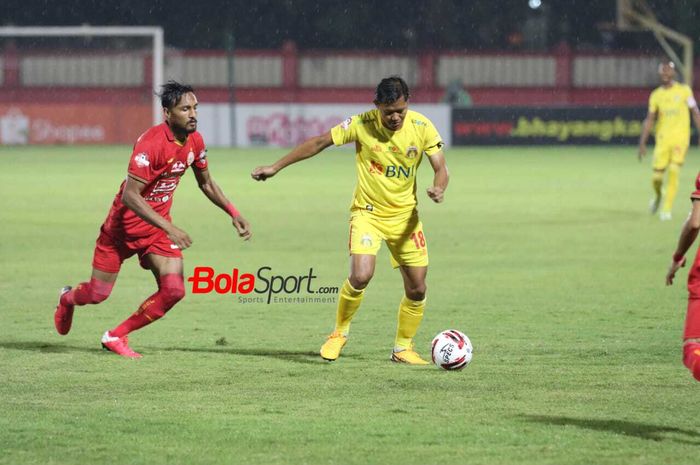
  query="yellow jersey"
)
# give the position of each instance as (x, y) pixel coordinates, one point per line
(387, 160)
(671, 106)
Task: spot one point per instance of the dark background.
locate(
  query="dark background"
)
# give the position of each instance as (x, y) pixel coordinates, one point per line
(368, 24)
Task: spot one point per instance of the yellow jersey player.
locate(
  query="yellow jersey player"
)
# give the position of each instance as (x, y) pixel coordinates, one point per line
(390, 141)
(668, 107)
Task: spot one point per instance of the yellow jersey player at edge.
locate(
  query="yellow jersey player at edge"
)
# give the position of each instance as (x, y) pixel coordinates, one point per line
(668, 107)
(390, 141)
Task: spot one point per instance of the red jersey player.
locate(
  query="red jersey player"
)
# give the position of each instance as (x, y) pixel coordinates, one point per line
(691, 335)
(139, 221)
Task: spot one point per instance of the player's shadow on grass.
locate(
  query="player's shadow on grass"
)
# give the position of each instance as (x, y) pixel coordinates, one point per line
(46, 347)
(286, 355)
(298, 356)
(627, 428)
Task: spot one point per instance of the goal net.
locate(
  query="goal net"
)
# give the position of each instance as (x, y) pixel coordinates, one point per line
(69, 85)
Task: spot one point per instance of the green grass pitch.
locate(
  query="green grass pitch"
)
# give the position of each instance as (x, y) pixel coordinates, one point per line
(545, 257)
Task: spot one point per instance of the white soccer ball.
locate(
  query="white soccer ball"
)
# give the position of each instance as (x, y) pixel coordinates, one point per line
(451, 350)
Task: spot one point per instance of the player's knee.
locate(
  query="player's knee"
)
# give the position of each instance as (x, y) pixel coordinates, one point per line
(172, 295)
(97, 297)
(172, 289)
(416, 292)
(99, 291)
(360, 279)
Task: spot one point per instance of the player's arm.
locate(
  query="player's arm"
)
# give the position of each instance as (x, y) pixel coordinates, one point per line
(696, 118)
(132, 199)
(306, 149)
(441, 178)
(647, 125)
(214, 193)
(688, 234)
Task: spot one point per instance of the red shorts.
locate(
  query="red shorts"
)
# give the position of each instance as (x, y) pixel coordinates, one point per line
(111, 250)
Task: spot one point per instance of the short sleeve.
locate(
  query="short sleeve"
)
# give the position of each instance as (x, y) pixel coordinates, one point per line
(653, 103)
(144, 163)
(690, 99)
(200, 160)
(345, 132)
(696, 194)
(433, 141)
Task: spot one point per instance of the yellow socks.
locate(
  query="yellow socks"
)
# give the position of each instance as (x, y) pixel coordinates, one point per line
(657, 180)
(671, 187)
(410, 316)
(349, 300)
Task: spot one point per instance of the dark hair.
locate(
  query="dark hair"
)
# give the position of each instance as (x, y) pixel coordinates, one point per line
(391, 89)
(171, 92)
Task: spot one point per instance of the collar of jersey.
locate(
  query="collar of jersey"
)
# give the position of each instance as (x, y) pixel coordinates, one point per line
(170, 136)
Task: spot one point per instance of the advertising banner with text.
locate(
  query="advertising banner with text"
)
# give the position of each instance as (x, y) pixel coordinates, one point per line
(524, 126)
(285, 125)
(36, 124)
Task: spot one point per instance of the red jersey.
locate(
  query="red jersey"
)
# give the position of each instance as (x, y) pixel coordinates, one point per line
(160, 161)
(696, 194)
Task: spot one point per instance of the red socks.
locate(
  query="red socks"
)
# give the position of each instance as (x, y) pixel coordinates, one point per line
(93, 292)
(171, 289)
(691, 358)
(691, 350)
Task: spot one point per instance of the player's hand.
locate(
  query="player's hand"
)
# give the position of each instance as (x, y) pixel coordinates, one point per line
(243, 227)
(179, 237)
(675, 266)
(261, 173)
(642, 152)
(436, 194)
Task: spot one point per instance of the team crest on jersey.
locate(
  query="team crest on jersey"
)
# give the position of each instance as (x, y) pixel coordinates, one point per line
(375, 167)
(412, 151)
(190, 158)
(346, 124)
(178, 167)
(141, 160)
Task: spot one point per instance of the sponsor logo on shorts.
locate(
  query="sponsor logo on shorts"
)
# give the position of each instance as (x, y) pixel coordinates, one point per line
(366, 240)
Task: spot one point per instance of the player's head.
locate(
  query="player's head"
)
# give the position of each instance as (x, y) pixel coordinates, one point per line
(667, 71)
(391, 98)
(179, 107)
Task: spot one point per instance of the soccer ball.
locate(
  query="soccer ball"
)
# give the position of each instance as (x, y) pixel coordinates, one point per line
(451, 350)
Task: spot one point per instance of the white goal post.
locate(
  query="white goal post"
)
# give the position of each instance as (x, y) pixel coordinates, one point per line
(155, 32)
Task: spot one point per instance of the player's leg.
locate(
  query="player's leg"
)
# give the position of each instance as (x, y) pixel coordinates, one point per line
(349, 299)
(409, 252)
(662, 158)
(660, 162)
(171, 289)
(691, 332)
(365, 241)
(411, 310)
(107, 259)
(677, 158)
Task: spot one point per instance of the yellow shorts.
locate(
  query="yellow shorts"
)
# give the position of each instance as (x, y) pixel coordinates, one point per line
(404, 237)
(669, 151)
